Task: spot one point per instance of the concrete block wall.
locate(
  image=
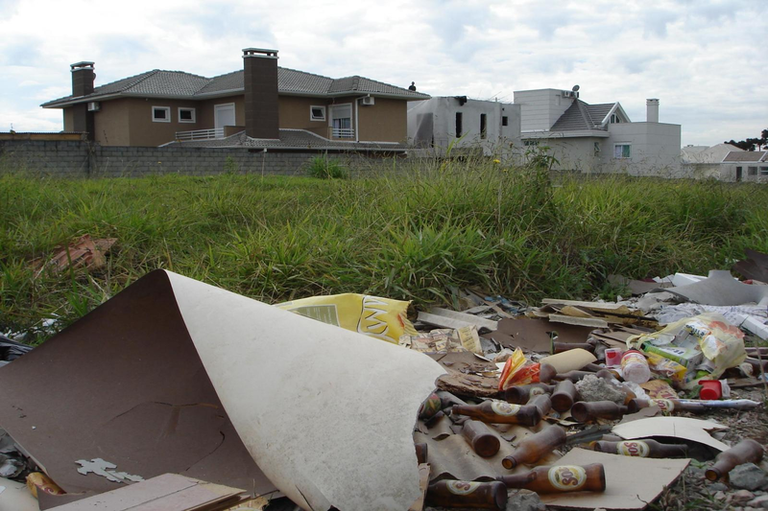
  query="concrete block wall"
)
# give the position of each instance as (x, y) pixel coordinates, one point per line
(82, 159)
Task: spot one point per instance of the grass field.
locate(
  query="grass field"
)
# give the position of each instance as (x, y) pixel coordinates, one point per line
(406, 232)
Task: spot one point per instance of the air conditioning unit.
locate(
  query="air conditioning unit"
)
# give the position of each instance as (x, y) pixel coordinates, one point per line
(94, 106)
(567, 94)
(368, 101)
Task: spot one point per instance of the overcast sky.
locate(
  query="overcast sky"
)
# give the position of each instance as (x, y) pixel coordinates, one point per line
(706, 60)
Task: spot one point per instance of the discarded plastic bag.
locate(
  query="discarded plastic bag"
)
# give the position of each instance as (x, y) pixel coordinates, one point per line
(710, 333)
(37, 482)
(518, 371)
(382, 318)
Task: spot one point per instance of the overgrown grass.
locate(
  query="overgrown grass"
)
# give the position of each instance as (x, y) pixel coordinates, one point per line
(407, 231)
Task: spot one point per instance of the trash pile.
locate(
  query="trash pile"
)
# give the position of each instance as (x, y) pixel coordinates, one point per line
(179, 395)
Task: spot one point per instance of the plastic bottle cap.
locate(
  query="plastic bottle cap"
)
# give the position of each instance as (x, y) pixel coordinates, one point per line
(710, 390)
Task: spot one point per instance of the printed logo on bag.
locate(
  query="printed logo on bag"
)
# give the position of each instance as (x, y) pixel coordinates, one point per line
(567, 478)
(504, 408)
(462, 487)
(665, 405)
(633, 448)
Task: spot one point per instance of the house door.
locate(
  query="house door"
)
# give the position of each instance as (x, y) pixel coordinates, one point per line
(738, 174)
(224, 115)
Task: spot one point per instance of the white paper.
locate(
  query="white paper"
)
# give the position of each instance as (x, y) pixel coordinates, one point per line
(327, 414)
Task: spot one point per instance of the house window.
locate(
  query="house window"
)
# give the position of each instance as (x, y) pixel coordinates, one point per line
(341, 121)
(530, 142)
(504, 120)
(764, 171)
(751, 171)
(458, 124)
(622, 150)
(161, 114)
(186, 115)
(317, 113)
(615, 119)
(596, 149)
(483, 131)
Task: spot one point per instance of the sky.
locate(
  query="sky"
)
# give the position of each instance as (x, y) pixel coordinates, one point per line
(705, 60)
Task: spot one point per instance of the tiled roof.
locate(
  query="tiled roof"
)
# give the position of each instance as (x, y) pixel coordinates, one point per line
(294, 139)
(177, 84)
(582, 116)
(748, 156)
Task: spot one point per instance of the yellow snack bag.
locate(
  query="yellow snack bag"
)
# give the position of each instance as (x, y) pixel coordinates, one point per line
(382, 318)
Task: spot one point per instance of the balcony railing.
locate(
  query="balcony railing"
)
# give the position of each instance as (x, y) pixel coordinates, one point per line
(343, 132)
(200, 134)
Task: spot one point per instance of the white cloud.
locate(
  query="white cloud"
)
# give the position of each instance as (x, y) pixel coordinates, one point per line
(701, 58)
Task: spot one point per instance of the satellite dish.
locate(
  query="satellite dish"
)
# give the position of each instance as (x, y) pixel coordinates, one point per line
(575, 88)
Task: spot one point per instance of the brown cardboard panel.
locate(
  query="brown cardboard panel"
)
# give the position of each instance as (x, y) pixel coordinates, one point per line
(125, 384)
(168, 492)
(631, 483)
(468, 375)
(534, 334)
(681, 428)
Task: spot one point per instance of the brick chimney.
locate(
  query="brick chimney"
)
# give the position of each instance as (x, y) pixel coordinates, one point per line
(82, 85)
(652, 110)
(261, 111)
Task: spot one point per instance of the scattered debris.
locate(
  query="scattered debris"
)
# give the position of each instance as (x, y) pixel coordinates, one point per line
(83, 252)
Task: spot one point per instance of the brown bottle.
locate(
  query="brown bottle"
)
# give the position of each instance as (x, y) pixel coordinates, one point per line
(585, 412)
(468, 494)
(564, 396)
(480, 438)
(522, 393)
(642, 449)
(500, 412)
(559, 479)
(559, 347)
(746, 451)
(546, 373)
(542, 402)
(535, 447)
(421, 453)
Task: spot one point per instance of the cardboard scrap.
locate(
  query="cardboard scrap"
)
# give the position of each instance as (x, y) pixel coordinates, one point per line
(683, 428)
(173, 375)
(631, 483)
(170, 492)
(83, 252)
(463, 316)
(754, 267)
(720, 288)
(534, 334)
(467, 374)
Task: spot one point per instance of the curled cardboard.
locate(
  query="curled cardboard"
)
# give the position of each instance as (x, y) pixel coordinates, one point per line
(173, 375)
(570, 360)
(327, 413)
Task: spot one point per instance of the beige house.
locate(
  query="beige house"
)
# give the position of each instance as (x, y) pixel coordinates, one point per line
(262, 105)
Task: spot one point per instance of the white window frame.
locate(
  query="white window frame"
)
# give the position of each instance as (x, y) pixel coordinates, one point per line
(530, 143)
(621, 154)
(764, 171)
(312, 114)
(615, 119)
(752, 171)
(347, 133)
(167, 110)
(189, 109)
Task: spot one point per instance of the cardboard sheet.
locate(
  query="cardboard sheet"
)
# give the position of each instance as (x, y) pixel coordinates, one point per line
(169, 492)
(327, 413)
(631, 483)
(467, 374)
(683, 428)
(720, 288)
(534, 334)
(124, 384)
(133, 383)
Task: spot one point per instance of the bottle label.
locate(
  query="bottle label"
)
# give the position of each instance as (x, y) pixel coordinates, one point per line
(461, 487)
(504, 408)
(633, 448)
(567, 477)
(665, 405)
